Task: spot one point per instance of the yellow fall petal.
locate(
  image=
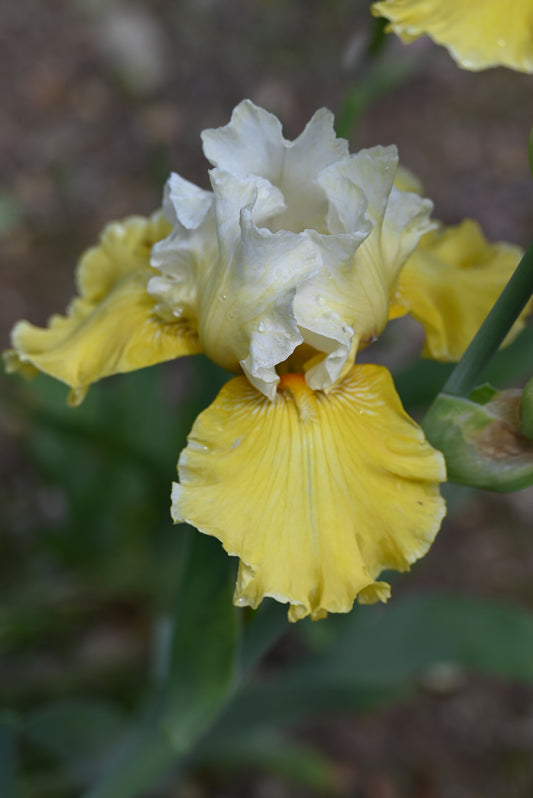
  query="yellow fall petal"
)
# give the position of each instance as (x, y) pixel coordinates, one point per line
(112, 326)
(477, 33)
(315, 492)
(450, 283)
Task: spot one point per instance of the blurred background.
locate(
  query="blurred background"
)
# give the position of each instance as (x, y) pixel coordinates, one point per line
(101, 100)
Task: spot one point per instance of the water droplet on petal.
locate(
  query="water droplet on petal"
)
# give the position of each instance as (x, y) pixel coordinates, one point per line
(222, 297)
(177, 312)
(320, 300)
(502, 43)
(230, 316)
(261, 327)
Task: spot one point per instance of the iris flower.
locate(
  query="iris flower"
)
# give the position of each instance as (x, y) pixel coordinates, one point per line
(306, 466)
(477, 33)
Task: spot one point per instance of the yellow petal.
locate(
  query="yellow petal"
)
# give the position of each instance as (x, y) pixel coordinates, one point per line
(112, 326)
(450, 283)
(315, 492)
(406, 180)
(477, 33)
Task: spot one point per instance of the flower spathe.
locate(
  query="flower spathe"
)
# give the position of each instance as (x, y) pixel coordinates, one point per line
(477, 33)
(306, 466)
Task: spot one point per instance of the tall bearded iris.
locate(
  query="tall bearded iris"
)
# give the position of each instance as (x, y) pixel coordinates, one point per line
(477, 33)
(305, 466)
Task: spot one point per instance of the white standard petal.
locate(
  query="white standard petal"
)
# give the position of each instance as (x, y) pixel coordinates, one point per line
(232, 194)
(251, 143)
(186, 203)
(187, 253)
(246, 311)
(345, 305)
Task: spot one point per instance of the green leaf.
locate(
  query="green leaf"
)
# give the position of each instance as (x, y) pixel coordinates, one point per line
(267, 625)
(75, 730)
(203, 654)
(136, 766)
(197, 679)
(270, 751)
(379, 654)
(299, 694)
(8, 755)
(399, 642)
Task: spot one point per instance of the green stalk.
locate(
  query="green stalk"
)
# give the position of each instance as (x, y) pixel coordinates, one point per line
(492, 332)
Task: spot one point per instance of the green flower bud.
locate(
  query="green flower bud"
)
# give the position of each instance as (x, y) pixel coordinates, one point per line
(527, 410)
(485, 439)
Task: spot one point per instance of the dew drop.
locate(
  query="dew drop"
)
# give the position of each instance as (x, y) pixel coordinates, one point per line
(177, 312)
(502, 43)
(261, 326)
(320, 300)
(222, 297)
(230, 316)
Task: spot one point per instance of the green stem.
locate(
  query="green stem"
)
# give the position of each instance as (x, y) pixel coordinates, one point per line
(492, 332)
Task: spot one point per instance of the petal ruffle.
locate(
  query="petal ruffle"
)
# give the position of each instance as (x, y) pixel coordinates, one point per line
(450, 283)
(477, 33)
(184, 259)
(248, 317)
(315, 493)
(346, 304)
(253, 144)
(112, 326)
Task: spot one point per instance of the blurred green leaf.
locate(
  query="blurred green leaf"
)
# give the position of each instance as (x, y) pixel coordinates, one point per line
(298, 694)
(136, 766)
(200, 674)
(203, 654)
(265, 628)
(383, 75)
(75, 730)
(399, 642)
(11, 212)
(378, 654)
(8, 755)
(270, 751)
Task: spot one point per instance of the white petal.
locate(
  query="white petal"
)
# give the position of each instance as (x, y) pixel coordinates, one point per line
(185, 257)
(316, 148)
(251, 143)
(185, 203)
(232, 195)
(248, 316)
(406, 220)
(346, 304)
